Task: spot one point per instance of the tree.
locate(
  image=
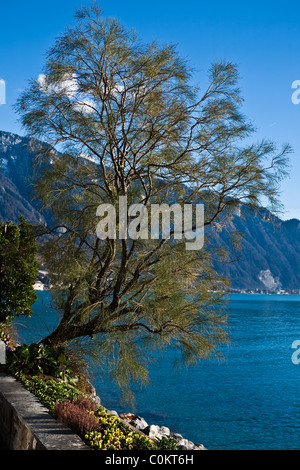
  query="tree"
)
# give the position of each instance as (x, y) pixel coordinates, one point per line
(126, 121)
(18, 270)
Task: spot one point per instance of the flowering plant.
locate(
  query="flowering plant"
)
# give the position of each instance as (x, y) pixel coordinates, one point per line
(115, 435)
(6, 338)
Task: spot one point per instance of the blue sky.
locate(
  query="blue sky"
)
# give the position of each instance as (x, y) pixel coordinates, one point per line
(261, 37)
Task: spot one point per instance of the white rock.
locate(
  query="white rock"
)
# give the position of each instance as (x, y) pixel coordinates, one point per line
(199, 447)
(183, 444)
(191, 445)
(152, 431)
(176, 436)
(139, 423)
(164, 431)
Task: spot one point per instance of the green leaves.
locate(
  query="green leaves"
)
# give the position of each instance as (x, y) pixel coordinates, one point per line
(40, 359)
(49, 392)
(18, 269)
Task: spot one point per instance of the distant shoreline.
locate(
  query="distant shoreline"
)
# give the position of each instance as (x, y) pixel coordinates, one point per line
(39, 286)
(292, 292)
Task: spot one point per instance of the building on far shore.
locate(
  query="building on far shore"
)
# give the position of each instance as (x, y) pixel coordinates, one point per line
(38, 285)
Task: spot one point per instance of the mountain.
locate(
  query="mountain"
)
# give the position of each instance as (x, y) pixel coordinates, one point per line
(269, 258)
(16, 172)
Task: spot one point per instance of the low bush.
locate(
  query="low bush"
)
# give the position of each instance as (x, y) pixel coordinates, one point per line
(38, 359)
(76, 416)
(85, 403)
(49, 392)
(166, 443)
(113, 434)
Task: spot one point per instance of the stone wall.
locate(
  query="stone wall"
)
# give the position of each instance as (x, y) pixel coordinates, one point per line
(25, 424)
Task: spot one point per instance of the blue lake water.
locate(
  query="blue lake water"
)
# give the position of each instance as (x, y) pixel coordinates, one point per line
(251, 400)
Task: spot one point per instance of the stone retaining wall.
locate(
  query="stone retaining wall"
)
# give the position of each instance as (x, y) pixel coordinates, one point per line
(25, 424)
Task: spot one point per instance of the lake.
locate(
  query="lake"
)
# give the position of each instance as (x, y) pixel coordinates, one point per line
(250, 400)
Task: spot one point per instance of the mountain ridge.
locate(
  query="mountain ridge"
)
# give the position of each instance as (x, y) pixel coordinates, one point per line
(16, 168)
(269, 258)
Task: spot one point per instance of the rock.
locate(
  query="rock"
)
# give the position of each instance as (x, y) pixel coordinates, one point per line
(97, 400)
(164, 431)
(156, 432)
(91, 393)
(184, 444)
(127, 416)
(139, 423)
(199, 447)
(176, 436)
(152, 431)
(191, 445)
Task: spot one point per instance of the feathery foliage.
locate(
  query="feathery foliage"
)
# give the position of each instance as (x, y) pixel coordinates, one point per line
(127, 121)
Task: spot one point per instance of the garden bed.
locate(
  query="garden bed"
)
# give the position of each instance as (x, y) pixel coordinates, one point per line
(25, 424)
(49, 379)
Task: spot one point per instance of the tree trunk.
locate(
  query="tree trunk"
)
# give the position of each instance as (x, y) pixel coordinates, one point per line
(63, 335)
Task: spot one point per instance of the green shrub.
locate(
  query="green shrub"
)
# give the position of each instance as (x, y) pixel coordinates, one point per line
(166, 443)
(38, 359)
(49, 392)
